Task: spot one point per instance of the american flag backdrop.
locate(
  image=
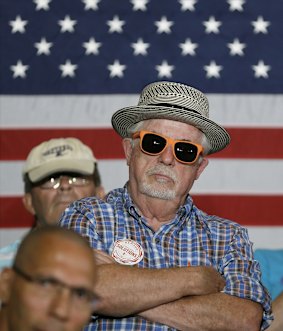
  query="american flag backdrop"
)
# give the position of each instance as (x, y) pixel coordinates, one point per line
(66, 66)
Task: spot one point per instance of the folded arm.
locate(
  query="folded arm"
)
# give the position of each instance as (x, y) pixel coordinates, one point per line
(124, 290)
(213, 312)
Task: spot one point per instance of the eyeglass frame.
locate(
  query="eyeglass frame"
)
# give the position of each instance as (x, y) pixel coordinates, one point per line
(56, 285)
(58, 178)
(140, 134)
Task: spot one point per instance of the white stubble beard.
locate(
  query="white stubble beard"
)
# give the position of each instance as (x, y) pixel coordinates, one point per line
(161, 192)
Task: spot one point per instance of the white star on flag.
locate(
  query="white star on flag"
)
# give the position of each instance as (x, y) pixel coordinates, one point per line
(260, 25)
(212, 70)
(187, 4)
(261, 69)
(139, 5)
(116, 69)
(43, 47)
(236, 48)
(236, 5)
(188, 47)
(19, 70)
(42, 4)
(67, 24)
(91, 4)
(164, 69)
(212, 26)
(140, 47)
(18, 25)
(68, 69)
(163, 25)
(116, 25)
(92, 46)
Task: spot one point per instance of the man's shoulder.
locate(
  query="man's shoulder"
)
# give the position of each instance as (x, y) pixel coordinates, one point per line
(215, 220)
(94, 206)
(7, 253)
(11, 247)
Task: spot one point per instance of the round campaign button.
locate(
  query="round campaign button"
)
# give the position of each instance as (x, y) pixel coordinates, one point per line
(127, 251)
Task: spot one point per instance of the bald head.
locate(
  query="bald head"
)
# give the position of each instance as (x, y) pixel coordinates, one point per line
(42, 238)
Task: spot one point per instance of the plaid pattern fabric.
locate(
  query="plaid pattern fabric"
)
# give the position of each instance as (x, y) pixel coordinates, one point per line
(192, 238)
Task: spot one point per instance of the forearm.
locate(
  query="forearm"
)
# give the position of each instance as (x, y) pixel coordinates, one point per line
(125, 290)
(213, 312)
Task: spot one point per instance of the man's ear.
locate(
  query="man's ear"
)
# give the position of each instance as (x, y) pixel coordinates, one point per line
(128, 148)
(6, 279)
(27, 201)
(201, 167)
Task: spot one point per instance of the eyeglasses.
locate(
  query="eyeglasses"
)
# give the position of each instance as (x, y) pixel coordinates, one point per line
(154, 144)
(48, 287)
(55, 182)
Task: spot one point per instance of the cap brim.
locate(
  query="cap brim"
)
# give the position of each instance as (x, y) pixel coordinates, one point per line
(126, 117)
(84, 167)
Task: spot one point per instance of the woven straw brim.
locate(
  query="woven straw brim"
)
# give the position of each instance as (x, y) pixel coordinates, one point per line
(124, 118)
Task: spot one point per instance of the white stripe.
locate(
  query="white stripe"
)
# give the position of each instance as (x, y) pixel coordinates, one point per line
(96, 110)
(259, 235)
(266, 237)
(12, 184)
(246, 176)
(244, 110)
(230, 176)
(61, 111)
(7, 236)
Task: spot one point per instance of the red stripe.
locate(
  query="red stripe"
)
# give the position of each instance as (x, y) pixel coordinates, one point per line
(13, 213)
(246, 210)
(106, 144)
(16, 144)
(257, 143)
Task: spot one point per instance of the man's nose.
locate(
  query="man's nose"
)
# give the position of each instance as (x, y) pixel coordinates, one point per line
(64, 183)
(60, 306)
(167, 155)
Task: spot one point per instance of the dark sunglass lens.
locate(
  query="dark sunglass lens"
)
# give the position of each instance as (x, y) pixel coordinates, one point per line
(186, 152)
(153, 143)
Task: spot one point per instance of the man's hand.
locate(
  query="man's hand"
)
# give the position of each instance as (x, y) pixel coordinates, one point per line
(205, 281)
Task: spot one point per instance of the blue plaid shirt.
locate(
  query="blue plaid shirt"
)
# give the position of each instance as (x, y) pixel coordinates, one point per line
(191, 238)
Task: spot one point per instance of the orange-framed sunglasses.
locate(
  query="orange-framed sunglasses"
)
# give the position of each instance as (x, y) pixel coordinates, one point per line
(154, 144)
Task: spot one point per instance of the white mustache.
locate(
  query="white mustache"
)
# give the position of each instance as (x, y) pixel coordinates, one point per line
(162, 170)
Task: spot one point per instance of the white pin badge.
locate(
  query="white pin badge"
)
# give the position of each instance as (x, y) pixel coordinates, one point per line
(127, 251)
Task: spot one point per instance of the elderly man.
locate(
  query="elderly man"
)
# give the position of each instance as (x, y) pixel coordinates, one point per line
(56, 173)
(165, 264)
(50, 285)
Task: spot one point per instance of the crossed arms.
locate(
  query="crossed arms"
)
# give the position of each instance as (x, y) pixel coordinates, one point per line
(186, 298)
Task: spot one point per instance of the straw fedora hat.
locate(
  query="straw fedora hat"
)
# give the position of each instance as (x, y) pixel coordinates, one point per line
(173, 101)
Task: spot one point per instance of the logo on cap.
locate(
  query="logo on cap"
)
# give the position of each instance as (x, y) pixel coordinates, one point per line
(58, 150)
(127, 251)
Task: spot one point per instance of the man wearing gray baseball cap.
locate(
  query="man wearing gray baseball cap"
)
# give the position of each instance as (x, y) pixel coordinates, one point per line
(165, 264)
(56, 173)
